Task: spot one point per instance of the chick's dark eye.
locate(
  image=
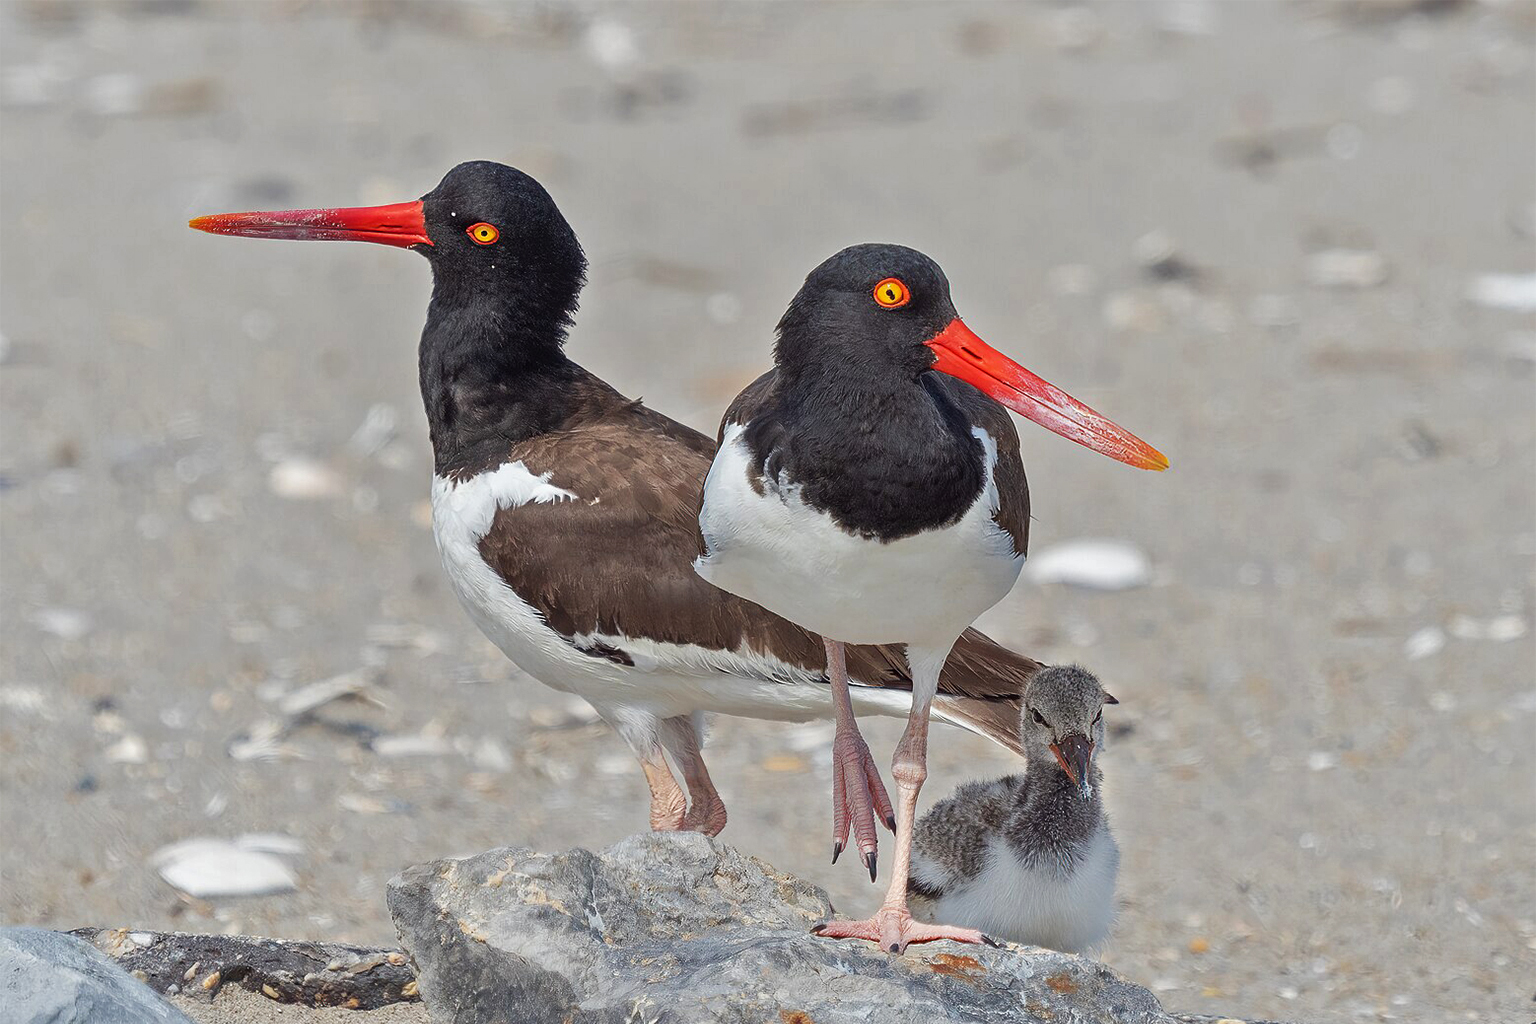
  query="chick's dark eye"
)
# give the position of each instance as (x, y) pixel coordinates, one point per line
(1038, 717)
(1098, 717)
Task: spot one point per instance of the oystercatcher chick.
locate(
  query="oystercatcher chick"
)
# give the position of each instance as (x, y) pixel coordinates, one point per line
(566, 514)
(871, 500)
(1029, 858)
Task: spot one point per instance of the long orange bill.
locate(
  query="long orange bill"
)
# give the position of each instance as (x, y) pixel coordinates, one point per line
(400, 224)
(961, 354)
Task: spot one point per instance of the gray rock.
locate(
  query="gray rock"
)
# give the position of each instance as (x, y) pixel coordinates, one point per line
(677, 928)
(48, 978)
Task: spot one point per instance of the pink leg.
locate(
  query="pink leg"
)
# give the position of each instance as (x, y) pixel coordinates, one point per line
(667, 801)
(893, 926)
(857, 792)
(706, 812)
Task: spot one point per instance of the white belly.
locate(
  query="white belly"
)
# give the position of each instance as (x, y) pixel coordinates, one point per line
(1011, 900)
(775, 550)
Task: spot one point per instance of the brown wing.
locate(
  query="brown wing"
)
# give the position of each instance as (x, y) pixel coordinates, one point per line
(617, 561)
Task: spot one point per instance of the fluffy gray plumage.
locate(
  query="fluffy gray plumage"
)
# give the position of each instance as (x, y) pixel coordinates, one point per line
(1029, 857)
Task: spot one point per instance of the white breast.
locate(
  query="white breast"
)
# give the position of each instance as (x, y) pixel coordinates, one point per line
(775, 550)
(462, 514)
(1023, 903)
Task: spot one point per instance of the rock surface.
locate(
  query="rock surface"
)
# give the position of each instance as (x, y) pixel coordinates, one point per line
(677, 928)
(49, 978)
(307, 973)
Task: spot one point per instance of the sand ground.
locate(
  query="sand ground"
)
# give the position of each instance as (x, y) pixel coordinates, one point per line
(1323, 773)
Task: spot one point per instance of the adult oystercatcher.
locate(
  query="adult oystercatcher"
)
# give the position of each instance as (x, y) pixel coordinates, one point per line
(567, 515)
(871, 501)
(1029, 858)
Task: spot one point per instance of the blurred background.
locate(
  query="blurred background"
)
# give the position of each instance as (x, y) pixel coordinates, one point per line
(1291, 244)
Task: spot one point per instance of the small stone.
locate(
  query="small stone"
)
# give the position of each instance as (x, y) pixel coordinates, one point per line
(130, 749)
(1322, 760)
(64, 623)
(784, 763)
(1346, 268)
(1500, 629)
(611, 44)
(301, 479)
(1514, 292)
(419, 745)
(1199, 945)
(1094, 564)
(1425, 642)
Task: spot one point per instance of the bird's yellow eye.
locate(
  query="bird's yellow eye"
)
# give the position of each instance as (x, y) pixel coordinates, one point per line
(891, 293)
(483, 233)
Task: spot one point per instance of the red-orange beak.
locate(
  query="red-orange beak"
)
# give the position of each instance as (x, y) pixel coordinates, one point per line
(400, 224)
(961, 354)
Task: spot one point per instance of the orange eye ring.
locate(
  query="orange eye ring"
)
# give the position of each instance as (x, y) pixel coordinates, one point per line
(482, 233)
(892, 293)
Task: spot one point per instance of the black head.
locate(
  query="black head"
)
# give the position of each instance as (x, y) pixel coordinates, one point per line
(883, 313)
(873, 306)
(494, 229)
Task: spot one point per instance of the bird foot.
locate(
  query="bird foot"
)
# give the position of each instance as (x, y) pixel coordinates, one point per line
(894, 929)
(858, 795)
(707, 817)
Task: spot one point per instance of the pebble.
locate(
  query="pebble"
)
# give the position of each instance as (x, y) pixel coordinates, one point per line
(1347, 268)
(1424, 643)
(1500, 629)
(130, 749)
(302, 479)
(1095, 564)
(64, 623)
(1514, 292)
(1322, 760)
(418, 745)
(209, 868)
(611, 44)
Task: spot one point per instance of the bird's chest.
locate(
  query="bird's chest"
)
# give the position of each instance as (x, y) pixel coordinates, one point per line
(463, 512)
(1063, 907)
(769, 542)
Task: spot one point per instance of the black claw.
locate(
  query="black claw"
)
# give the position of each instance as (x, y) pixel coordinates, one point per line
(817, 930)
(837, 851)
(895, 947)
(890, 823)
(989, 940)
(870, 860)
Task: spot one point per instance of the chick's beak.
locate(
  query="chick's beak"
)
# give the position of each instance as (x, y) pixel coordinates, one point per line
(1074, 753)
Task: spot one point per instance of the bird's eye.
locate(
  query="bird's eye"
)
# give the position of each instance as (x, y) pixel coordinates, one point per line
(1098, 717)
(1039, 717)
(892, 293)
(483, 233)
